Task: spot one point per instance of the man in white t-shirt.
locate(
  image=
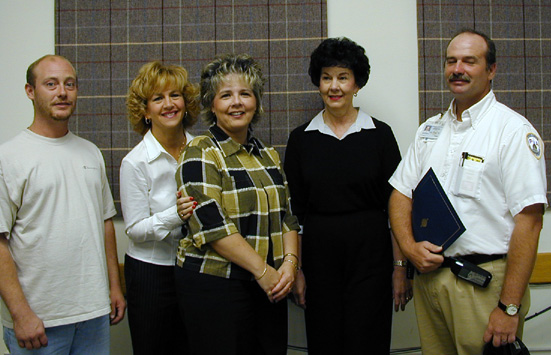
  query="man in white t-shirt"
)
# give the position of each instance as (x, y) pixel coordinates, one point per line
(489, 160)
(59, 280)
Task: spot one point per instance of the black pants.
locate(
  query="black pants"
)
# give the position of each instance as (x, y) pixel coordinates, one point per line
(230, 317)
(153, 315)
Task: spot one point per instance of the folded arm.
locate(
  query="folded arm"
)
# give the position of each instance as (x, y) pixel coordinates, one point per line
(141, 225)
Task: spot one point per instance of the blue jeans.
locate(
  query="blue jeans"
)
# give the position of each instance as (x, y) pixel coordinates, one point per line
(90, 337)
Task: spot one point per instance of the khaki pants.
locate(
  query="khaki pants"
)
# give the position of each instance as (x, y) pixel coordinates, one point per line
(452, 314)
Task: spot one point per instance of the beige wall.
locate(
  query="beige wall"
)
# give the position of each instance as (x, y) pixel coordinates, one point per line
(386, 29)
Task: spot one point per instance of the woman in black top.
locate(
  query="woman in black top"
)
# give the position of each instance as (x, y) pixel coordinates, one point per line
(338, 166)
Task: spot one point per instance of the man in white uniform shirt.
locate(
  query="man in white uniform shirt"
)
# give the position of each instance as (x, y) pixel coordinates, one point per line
(489, 160)
(59, 279)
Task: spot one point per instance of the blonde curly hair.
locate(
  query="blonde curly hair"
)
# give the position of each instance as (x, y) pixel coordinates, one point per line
(152, 78)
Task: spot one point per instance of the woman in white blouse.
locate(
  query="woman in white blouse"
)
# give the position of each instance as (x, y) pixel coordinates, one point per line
(161, 105)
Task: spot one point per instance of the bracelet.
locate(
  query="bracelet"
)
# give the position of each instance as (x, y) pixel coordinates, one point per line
(402, 263)
(297, 268)
(290, 254)
(263, 272)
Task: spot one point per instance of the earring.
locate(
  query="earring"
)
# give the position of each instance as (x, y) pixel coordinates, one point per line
(185, 115)
(356, 95)
(147, 121)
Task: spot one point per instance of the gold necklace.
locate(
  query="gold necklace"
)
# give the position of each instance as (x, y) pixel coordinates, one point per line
(183, 145)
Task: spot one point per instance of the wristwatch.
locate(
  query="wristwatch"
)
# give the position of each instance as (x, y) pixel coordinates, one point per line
(510, 310)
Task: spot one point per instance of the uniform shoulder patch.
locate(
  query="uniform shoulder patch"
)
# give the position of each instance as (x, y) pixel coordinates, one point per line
(534, 144)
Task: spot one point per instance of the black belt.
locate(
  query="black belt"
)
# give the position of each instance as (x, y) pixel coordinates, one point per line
(474, 259)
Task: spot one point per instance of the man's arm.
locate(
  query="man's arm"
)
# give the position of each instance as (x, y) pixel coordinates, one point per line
(423, 255)
(118, 304)
(520, 262)
(29, 329)
(402, 290)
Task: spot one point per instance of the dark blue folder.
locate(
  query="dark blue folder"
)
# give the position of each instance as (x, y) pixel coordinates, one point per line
(433, 217)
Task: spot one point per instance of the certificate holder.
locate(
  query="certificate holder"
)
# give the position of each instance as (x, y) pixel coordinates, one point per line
(433, 217)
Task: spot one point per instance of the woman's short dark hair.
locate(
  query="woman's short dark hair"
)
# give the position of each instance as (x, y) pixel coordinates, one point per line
(214, 73)
(340, 52)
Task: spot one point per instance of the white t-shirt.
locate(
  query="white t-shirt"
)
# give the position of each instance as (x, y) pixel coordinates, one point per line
(490, 164)
(148, 200)
(55, 198)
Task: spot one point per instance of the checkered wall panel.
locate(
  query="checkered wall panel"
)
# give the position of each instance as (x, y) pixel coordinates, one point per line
(108, 41)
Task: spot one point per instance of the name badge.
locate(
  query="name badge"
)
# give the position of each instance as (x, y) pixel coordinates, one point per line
(431, 131)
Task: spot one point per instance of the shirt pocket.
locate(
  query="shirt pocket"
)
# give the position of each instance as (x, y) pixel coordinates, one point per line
(468, 179)
(238, 195)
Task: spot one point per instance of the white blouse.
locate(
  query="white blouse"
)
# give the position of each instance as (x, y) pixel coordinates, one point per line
(148, 199)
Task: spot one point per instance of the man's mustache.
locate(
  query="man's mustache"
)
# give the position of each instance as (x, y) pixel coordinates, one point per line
(460, 77)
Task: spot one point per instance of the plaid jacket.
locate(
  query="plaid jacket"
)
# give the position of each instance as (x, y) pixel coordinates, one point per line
(239, 189)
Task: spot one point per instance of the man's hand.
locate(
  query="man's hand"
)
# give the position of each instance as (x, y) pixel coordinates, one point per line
(424, 256)
(502, 328)
(402, 291)
(118, 306)
(29, 331)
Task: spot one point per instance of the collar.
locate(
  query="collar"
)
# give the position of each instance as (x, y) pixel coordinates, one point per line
(363, 121)
(154, 149)
(229, 146)
(476, 112)
(59, 140)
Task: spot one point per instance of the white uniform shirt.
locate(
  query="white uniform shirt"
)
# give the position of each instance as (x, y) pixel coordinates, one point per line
(503, 173)
(148, 200)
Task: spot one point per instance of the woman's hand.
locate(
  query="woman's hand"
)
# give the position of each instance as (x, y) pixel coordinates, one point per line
(285, 285)
(402, 291)
(299, 290)
(184, 206)
(268, 281)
